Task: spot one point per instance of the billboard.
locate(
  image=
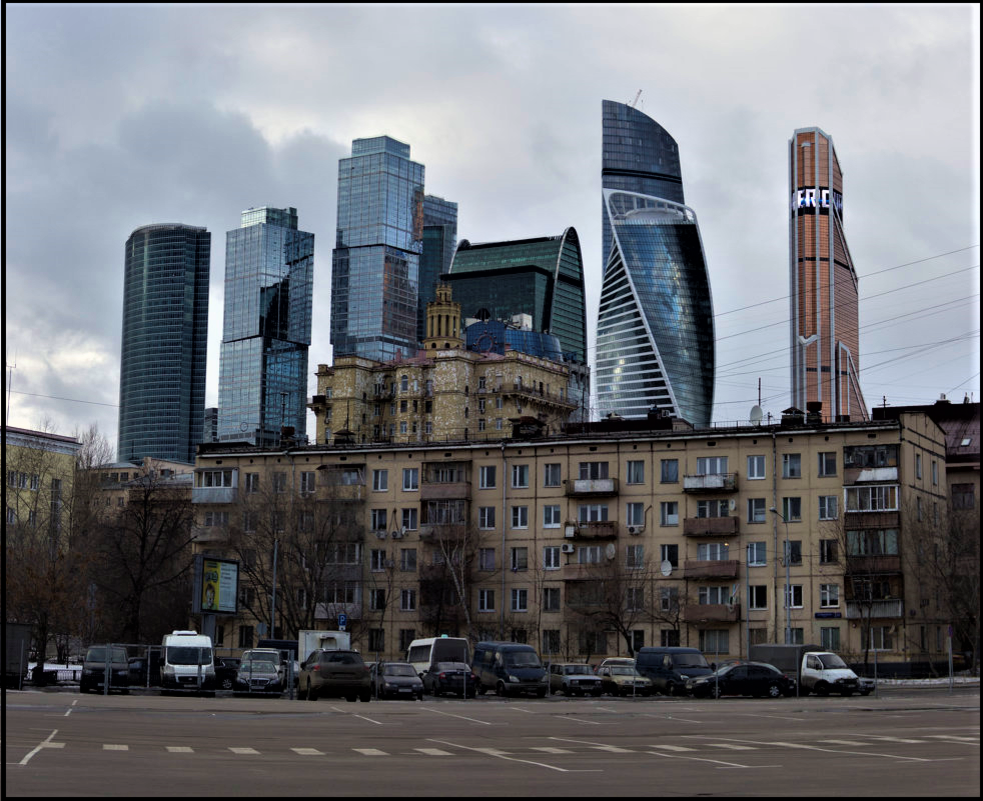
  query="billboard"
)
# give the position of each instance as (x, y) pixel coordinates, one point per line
(216, 586)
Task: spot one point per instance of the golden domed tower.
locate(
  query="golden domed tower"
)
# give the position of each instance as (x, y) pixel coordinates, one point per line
(443, 322)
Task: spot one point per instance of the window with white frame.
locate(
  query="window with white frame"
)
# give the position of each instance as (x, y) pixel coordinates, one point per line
(486, 517)
(486, 600)
(756, 467)
(407, 600)
(519, 558)
(713, 595)
(634, 557)
(829, 638)
(486, 477)
(307, 482)
(791, 509)
(252, 482)
(551, 599)
(520, 599)
(883, 498)
(520, 476)
(757, 554)
(380, 480)
(411, 479)
(552, 475)
(635, 514)
(379, 519)
(758, 596)
(377, 600)
(592, 512)
(670, 554)
(593, 470)
(712, 551)
(551, 516)
(551, 557)
(827, 552)
(756, 511)
(793, 596)
(407, 559)
(669, 513)
(669, 471)
(829, 595)
(635, 472)
(411, 519)
(715, 641)
(827, 463)
(668, 599)
(791, 465)
(711, 465)
(881, 638)
(828, 507)
(520, 517)
(713, 508)
(377, 560)
(486, 559)
(634, 599)
(588, 554)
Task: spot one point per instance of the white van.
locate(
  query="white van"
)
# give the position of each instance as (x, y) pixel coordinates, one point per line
(424, 652)
(187, 662)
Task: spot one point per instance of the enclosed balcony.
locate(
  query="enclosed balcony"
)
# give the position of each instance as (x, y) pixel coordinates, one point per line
(591, 487)
(711, 482)
(710, 526)
(712, 613)
(888, 608)
(707, 569)
(592, 530)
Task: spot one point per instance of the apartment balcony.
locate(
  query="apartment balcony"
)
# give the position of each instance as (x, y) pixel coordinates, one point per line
(330, 611)
(214, 494)
(870, 475)
(449, 491)
(859, 566)
(860, 520)
(591, 487)
(591, 571)
(857, 610)
(710, 526)
(712, 613)
(210, 534)
(444, 532)
(711, 482)
(717, 569)
(592, 530)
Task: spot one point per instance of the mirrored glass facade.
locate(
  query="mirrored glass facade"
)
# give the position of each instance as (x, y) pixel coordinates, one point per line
(439, 241)
(823, 285)
(269, 280)
(375, 265)
(655, 335)
(164, 342)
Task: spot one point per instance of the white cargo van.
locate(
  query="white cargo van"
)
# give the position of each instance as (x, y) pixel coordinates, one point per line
(187, 662)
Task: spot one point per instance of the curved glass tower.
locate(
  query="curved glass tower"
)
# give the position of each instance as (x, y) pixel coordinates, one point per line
(165, 339)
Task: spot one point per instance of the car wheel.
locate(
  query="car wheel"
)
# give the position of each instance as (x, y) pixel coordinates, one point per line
(500, 689)
(822, 689)
(774, 691)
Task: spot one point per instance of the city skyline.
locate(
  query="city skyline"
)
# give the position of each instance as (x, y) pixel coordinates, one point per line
(212, 119)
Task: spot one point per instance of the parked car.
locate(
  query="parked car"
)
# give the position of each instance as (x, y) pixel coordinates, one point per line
(623, 680)
(268, 654)
(574, 679)
(744, 678)
(670, 667)
(624, 661)
(450, 677)
(256, 675)
(509, 668)
(396, 680)
(335, 673)
(226, 668)
(94, 669)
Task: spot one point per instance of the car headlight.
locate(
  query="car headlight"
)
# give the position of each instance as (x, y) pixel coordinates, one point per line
(514, 679)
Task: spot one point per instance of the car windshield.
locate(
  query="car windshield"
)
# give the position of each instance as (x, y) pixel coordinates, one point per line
(623, 670)
(399, 670)
(725, 670)
(189, 655)
(98, 654)
(832, 661)
(522, 659)
(258, 666)
(689, 660)
(576, 669)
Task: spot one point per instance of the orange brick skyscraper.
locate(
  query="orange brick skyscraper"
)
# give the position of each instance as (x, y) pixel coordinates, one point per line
(823, 291)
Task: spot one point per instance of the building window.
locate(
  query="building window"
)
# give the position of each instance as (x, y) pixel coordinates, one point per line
(592, 512)
(411, 479)
(552, 475)
(380, 480)
(520, 476)
(377, 560)
(486, 477)
(712, 596)
(827, 552)
(712, 551)
(377, 640)
(551, 599)
(279, 483)
(593, 470)
(758, 596)
(307, 482)
(486, 559)
(829, 595)
(793, 596)
(872, 499)
(670, 471)
(519, 559)
(756, 512)
(379, 519)
(794, 551)
(829, 638)
(827, 463)
(872, 542)
(520, 517)
(714, 641)
(551, 557)
(406, 636)
(551, 516)
(636, 472)
(246, 636)
(551, 641)
(377, 600)
(756, 467)
(881, 638)
(486, 600)
(588, 554)
(669, 638)
(711, 465)
(635, 514)
(828, 507)
(792, 509)
(757, 554)
(407, 600)
(486, 517)
(935, 473)
(634, 599)
(670, 554)
(252, 482)
(407, 559)
(712, 508)
(520, 599)
(791, 465)
(634, 557)
(669, 513)
(918, 465)
(411, 521)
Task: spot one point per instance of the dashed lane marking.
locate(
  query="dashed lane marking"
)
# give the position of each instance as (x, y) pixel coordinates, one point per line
(307, 751)
(433, 751)
(664, 747)
(370, 752)
(180, 749)
(243, 750)
(114, 747)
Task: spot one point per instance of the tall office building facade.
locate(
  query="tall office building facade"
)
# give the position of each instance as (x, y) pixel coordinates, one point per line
(439, 241)
(269, 280)
(375, 265)
(823, 286)
(164, 342)
(655, 331)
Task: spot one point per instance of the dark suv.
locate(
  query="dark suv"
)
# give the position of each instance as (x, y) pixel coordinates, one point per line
(95, 670)
(335, 673)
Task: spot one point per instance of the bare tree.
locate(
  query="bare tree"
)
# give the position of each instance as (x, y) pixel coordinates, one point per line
(445, 581)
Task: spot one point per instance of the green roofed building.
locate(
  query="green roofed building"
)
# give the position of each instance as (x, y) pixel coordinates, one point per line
(542, 277)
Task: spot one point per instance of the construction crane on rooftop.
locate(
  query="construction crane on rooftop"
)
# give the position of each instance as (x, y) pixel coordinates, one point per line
(635, 101)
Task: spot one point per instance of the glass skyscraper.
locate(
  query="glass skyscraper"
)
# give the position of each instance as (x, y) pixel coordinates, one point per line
(439, 241)
(655, 333)
(823, 286)
(164, 342)
(375, 265)
(269, 279)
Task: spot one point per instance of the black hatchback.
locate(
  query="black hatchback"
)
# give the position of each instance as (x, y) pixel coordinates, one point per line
(450, 677)
(744, 678)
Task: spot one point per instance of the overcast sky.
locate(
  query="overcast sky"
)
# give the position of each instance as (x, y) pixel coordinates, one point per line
(119, 116)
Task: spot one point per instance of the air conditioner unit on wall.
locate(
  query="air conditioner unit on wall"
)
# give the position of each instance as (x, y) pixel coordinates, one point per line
(567, 547)
(636, 530)
(570, 532)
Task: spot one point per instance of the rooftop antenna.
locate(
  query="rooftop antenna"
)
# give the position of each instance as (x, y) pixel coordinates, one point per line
(10, 378)
(634, 102)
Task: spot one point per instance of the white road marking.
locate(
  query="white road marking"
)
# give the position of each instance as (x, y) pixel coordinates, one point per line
(614, 749)
(243, 750)
(890, 739)
(69, 710)
(550, 750)
(673, 756)
(672, 747)
(45, 743)
(307, 751)
(516, 759)
(451, 715)
(581, 720)
(433, 751)
(370, 752)
(841, 742)
(733, 747)
(114, 747)
(958, 738)
(180, 749)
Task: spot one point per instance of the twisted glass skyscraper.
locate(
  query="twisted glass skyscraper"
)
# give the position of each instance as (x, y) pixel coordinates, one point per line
(165, 342)
(269, 277)
(655, 334)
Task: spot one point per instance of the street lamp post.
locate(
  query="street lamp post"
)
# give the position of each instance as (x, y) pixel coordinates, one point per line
(788, 588)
